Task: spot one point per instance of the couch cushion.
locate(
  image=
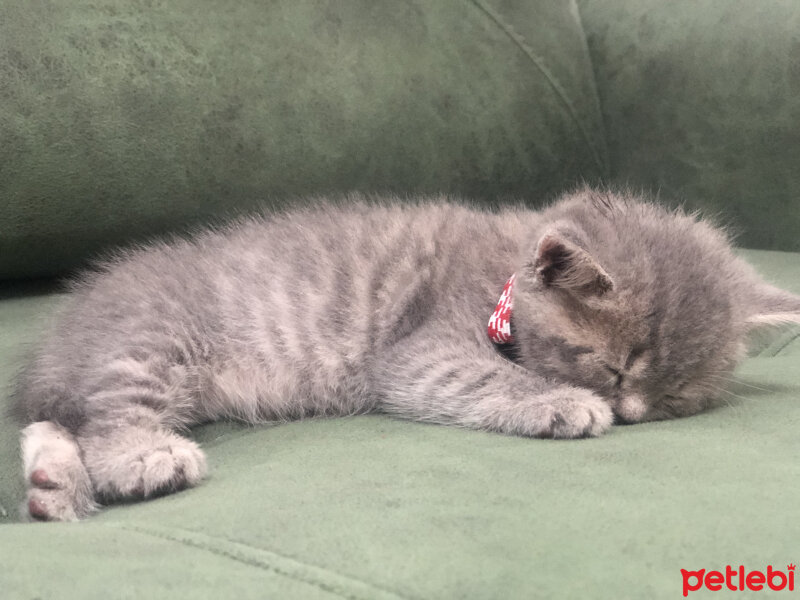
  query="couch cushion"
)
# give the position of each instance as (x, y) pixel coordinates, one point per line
(121, 119)
(372, 507)
(701, 100)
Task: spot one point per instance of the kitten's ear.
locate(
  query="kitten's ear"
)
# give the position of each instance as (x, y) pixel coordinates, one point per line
(561, 263)
(768, 305)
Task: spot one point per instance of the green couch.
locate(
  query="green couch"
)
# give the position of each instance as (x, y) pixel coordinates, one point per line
(122, 119)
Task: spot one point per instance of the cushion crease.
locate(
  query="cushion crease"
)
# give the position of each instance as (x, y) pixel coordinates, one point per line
(328, 581)
(519, 40)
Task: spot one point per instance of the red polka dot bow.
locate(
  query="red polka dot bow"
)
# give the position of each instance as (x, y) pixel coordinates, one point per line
(500, 322)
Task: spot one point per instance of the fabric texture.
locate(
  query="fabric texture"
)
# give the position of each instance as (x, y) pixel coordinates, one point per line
(122, 119)
(701, 102)
(372, 507)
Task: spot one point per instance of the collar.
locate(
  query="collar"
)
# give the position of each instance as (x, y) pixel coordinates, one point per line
(499, 328)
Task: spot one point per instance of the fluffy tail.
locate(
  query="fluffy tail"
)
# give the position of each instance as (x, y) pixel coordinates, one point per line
(59, 488)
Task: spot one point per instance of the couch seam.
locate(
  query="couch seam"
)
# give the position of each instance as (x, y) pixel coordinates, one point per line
(598, 105)
(262, 565)
(551, 79)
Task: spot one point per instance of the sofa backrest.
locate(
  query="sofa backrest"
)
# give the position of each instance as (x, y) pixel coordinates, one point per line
(120, 120)
(701, 101)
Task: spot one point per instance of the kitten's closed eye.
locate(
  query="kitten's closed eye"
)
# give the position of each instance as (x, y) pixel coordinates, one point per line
(616, 373)
(635, 353)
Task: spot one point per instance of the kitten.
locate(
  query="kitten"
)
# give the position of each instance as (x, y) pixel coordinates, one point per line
(620, 309)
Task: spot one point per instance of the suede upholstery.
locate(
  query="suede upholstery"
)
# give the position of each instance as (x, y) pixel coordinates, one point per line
(124, 119)
(701, 101)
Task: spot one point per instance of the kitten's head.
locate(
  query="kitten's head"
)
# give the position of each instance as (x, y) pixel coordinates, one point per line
(648, 307)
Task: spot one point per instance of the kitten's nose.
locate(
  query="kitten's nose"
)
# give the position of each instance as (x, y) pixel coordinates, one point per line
(630, 409)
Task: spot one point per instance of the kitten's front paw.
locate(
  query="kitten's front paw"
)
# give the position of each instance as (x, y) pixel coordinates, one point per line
(576, 413)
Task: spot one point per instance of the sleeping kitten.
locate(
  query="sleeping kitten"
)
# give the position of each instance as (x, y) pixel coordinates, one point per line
(620, 309)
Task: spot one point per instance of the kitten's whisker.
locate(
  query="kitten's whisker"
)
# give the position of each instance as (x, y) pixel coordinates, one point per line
(724, 391)
(740, 382)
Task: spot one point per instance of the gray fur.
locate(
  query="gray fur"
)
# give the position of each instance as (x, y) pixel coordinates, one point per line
(621, 308)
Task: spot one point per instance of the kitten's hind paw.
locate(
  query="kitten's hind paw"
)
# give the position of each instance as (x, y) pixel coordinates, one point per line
(57, 503)
(172, 468)
(142, 463)
(576, 413)
(58, 484)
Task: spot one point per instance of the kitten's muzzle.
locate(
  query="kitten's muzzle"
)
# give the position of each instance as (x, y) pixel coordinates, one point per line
(629, 409)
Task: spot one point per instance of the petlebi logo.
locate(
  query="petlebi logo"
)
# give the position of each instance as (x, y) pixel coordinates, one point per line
(738, 580)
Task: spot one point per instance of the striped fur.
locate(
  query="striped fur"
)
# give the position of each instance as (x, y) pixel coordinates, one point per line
(362, 306)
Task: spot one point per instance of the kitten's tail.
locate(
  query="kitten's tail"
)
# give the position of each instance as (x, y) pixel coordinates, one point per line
(59, 488)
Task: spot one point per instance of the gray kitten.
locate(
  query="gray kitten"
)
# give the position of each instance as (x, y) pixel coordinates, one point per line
(621, 308)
